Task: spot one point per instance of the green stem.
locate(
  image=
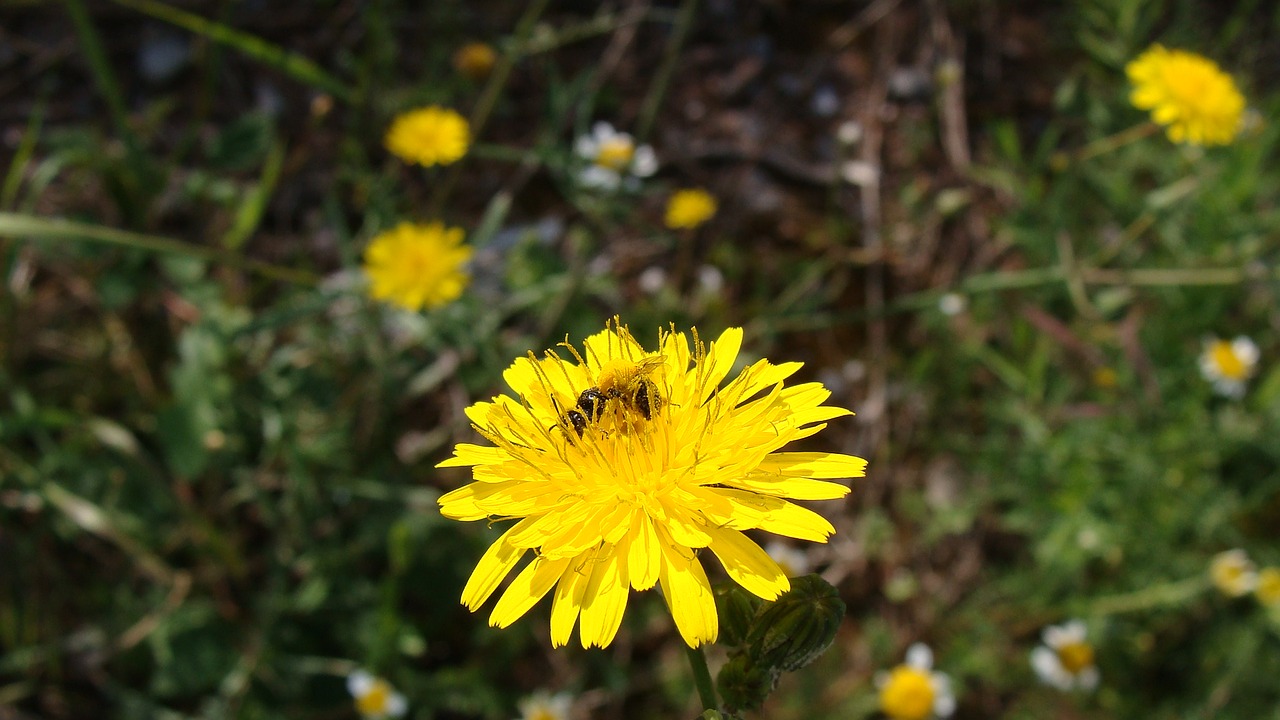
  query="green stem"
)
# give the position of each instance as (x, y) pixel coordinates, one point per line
(17, 225)
(658, 89)
(287, 62)
(91, 46)
(1170, 593)
(1022, 279)
(702, 678)
(489, 96)
(1102, 146)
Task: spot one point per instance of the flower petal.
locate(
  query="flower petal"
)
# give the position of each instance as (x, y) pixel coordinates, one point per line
(496, 563)
(604, 601)
(536, 580)
(688, 594)
(567, 603)
(748, 564)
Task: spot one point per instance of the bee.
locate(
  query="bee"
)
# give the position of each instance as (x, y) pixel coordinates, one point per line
(623, 387)
(577, 420)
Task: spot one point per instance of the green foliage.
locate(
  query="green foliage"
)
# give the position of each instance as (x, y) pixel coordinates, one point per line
(217, 456)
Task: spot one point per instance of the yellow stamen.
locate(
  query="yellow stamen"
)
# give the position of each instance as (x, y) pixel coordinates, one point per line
(908, 694)
(616, 154)
(1075, 656)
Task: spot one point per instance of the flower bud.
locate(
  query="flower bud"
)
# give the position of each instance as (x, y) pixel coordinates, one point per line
(795, 629)
(737, 609)
(744, 685)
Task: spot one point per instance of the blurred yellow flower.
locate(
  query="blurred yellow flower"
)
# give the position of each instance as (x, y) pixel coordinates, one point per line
(1232, 572)
(429, 136)
(1268, 589)
(913, 691)
(690, 208)
(375, 698)
(1229, 364)
(416, 266)
(622, 463)
(1188, 94)
(1105, 378)
(475, 60)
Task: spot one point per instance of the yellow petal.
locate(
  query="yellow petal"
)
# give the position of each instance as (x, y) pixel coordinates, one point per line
(748, 565)
(565, 519)
(760, 375)
(644, 556)
(792, 488)
(526, 590)
(719, 361)
(688, 595)
(567, 602)
(468, 454)
(493, 566)
(605, 600)
(814, 465)
(797, 522)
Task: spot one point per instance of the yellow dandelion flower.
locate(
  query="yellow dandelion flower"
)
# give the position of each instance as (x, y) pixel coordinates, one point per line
(1188, 94)
(416, 266)
(475, 60)
(690, 208)
(621, 464)
(1268, 589)
(429, 136)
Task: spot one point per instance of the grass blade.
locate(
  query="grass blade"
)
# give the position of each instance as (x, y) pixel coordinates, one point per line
(16, 225)
(286, 61)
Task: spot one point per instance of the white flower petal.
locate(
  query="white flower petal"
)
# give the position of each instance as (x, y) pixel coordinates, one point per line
(602, 178)
(1088, 678)
(920, 657)
(1245, 349)
(586, 148)
(1047, 665)
(944, 701)
(645, 162)
(1074, 631)
(359, 682)
(397, 706)
(603, 132)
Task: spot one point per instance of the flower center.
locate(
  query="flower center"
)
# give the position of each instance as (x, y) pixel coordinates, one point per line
(1269, 587)
(1075, 656)
(1188, 82)
(615, 154)
(376, 700)
(1227, 361)
(1232, 576)
(908, 695)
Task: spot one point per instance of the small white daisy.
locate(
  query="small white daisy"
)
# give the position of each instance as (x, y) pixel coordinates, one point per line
(375, 698)
(613, 158)
(913, 691)
(1065, 661)
(793, 561)
(542, 705)
(1229, 364)
(1233, 573)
